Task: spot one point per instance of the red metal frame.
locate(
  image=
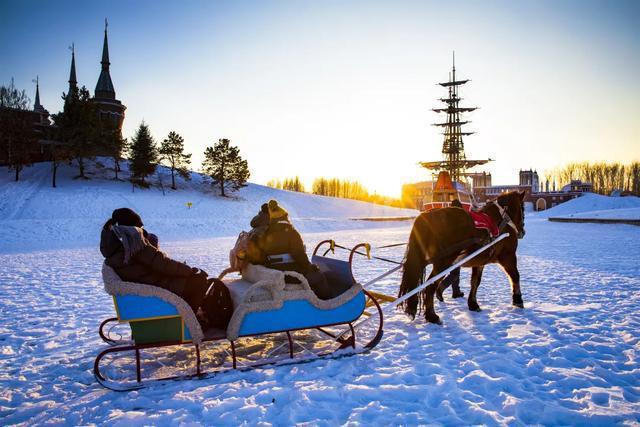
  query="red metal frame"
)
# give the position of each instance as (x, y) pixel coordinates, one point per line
(105, 336)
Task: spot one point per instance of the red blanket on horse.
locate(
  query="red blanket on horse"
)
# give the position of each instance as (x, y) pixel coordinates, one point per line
(482, 220)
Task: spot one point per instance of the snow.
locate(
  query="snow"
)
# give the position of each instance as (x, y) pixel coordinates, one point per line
(32, 212)
(570, 357)
(591, 205)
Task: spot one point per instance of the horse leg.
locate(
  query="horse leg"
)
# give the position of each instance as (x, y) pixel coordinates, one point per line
(429, 311)
(510, 266)
(453, 280)
(476, 277)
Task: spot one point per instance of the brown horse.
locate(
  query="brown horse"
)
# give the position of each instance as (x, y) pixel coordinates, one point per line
(443, 235)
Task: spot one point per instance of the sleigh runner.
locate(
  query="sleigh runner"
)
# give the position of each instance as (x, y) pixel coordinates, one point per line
(264, 305)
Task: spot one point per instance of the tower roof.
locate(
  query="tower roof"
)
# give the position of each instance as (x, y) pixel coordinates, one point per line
(36, 105)
(104, 87)
(73, 83)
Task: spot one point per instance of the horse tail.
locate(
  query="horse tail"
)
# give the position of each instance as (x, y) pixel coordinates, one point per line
(413, 271)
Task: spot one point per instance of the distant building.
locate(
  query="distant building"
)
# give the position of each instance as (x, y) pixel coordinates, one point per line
(479, 179)
(529, 178)
(577, 186)
(416, 194)
(40, 124)
(109, 108)
(535, 197)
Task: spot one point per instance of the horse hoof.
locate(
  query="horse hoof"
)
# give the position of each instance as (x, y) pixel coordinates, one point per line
(434, 319)
(517, 300)
(439, 295)
(474, 307)
(457, 295)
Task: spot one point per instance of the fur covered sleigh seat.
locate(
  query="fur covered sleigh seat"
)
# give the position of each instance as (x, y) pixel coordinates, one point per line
(262, 289)
(137, 303)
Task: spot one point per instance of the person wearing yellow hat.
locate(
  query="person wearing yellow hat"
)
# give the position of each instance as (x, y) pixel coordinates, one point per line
(280, 246)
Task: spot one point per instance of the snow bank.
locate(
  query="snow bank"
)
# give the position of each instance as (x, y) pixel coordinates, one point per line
(33, 215)
(591, 205)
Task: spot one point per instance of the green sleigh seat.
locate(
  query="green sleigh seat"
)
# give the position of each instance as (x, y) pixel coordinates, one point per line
(155, 315)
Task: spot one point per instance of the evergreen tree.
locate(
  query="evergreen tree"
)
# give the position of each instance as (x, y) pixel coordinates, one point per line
(143, 155)
(113, 143)
(173, 155)
(79, 127)
(223, 164)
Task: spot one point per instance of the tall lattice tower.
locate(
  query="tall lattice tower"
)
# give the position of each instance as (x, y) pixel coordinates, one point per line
(454, 159)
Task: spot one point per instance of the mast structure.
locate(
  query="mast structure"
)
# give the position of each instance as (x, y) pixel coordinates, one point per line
(454, 159)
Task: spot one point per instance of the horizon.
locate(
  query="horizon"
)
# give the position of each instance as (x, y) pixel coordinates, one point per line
(345, 78)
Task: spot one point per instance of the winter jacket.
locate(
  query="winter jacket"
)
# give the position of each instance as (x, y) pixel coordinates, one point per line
(148, 265)
(280, 238)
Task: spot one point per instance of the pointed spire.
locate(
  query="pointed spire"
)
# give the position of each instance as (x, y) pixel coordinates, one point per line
(104, 87)
(36, 105)
(73, 83)
(105, 48)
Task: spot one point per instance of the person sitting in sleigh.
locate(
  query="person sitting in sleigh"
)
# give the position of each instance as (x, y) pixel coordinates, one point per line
(133, 254)
(275, 243)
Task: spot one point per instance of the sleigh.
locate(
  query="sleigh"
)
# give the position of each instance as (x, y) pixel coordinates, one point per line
(275, 322)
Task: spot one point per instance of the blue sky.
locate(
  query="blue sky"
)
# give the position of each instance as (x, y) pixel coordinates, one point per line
(345, 88)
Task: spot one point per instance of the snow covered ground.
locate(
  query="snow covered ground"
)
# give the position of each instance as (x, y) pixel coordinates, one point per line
(572, 356)
(32, 212)
(593, 205)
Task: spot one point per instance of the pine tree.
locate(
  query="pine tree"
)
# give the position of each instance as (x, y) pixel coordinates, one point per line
(78, 123)
(143, 155)
(173, 155)
(112, 142)
(223, 164)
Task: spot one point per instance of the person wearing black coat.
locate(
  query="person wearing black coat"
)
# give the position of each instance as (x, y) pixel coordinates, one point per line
(132, 253)
(279, 246)
(276, 237)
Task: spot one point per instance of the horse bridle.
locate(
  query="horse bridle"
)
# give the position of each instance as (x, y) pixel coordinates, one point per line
(506, 220)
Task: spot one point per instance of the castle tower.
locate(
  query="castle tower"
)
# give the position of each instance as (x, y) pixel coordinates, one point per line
(105, 95)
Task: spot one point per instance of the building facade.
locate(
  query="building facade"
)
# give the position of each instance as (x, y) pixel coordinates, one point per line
(535, 197)
(416, 194)
(111, 111)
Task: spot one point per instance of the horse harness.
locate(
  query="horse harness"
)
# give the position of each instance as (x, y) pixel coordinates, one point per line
(506, 220)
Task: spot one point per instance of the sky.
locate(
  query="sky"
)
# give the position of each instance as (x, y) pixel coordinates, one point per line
(345, 89)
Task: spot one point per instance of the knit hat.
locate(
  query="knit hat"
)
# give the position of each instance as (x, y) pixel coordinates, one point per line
(126, 216)
(276, 212)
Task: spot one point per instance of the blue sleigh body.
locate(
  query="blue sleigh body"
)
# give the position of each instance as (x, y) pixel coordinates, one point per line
(153, 319)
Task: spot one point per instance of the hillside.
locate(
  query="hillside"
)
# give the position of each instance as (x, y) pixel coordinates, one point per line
(591, 205)
(33, 215)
